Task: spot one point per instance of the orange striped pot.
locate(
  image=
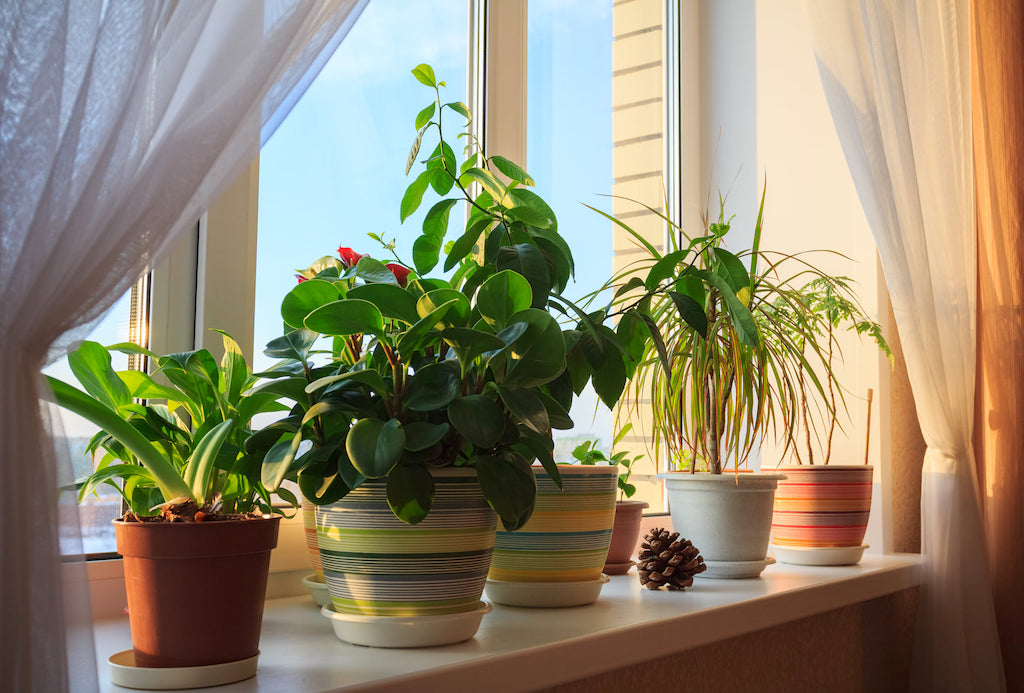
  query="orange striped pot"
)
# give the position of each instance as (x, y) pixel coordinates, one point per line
(822, 506)
(312, 546)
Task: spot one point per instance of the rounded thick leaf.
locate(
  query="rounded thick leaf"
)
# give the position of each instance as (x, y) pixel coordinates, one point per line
(392, 300)
(529, 261)
(509, 487)
(349, 316)
(525, 406)
(478, 419)
(304, 298)
(426, 250)
(410, 491)
(537, 356)
(457, 314)
(469, 343)
(410, 342)
(294, 345)
(501, 296)
(374, 271)
(375, 446)
(432, 387)
(420, 435)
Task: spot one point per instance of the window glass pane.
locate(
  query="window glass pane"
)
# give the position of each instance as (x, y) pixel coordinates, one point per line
(96, 512)
(594, 128)
(335, 169)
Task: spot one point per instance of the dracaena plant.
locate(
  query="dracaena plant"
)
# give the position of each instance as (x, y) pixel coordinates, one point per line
(737, 343)
(175, 444)
(392, 372)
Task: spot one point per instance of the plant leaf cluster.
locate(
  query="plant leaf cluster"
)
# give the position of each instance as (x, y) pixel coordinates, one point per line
(170, 442)
(388, 379)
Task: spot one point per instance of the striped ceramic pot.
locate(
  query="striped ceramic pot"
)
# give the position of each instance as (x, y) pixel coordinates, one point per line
(312, 546)
(377, 565)
(567, 537)
(819, 506)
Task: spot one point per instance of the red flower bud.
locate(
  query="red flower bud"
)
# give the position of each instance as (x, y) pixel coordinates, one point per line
(301, 278)
(401, 273)
(350, 257)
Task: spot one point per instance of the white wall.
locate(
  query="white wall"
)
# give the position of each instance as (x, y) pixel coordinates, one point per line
(765, 108)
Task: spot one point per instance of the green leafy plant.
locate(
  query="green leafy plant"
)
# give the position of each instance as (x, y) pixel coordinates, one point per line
(834, 302)
(392, 373)
(737, 345)
(587, 453)
(185, 443)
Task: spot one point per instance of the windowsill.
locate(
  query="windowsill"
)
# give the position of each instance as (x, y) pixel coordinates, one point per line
(525, 649)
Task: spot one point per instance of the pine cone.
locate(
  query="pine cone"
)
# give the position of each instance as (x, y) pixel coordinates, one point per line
(665, 559)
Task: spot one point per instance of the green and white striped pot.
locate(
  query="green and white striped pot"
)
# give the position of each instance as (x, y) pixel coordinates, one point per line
(567, 537)
(377, 565)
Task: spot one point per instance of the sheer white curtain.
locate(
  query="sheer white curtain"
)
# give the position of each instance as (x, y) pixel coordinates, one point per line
(120, 121)
(897, 77)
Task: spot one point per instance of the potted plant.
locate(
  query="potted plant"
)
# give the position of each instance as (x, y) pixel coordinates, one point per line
(426, 399)
(722, 370)
(200, 526)
(628, 513)
(821, 510)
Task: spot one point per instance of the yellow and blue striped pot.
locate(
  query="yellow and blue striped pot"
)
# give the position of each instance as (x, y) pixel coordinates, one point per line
(567, 537)
(375, 564)
(312, 546)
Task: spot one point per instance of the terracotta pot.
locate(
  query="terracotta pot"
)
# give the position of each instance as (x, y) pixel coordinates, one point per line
(819, 506)
(376, 565)
(195, 589)
(567, 537)
(625, 533)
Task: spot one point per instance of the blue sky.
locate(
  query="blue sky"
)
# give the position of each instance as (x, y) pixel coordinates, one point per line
(335, 168)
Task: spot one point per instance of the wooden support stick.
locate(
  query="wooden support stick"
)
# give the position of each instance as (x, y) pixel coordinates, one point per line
(867, 437)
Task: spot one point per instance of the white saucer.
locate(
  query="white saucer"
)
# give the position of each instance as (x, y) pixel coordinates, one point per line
(618, 568)
(406, 631)
(123, 672)
(317, 590)
(728, 570)
(819, 555)
(545, 594)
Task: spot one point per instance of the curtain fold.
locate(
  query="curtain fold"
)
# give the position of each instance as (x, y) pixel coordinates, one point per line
(896, 75)
(120, 121)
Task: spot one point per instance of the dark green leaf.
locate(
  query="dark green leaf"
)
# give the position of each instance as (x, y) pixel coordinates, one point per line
(528, 261)
(526, 407)
(410, 492)
(691, 312)
(392, 300)
(663, 269)
(478, 419)
(425, 253)
(420, 435)
(509, 486)
(538, 356)
(558, 416)
(277, 461)
(432, 387)
(349, 316)
(304, 298)
(293, 345)
(528, 198)
(464, 244)
(370, 270)
(375, 446)
(734, 271)
(503, 295)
